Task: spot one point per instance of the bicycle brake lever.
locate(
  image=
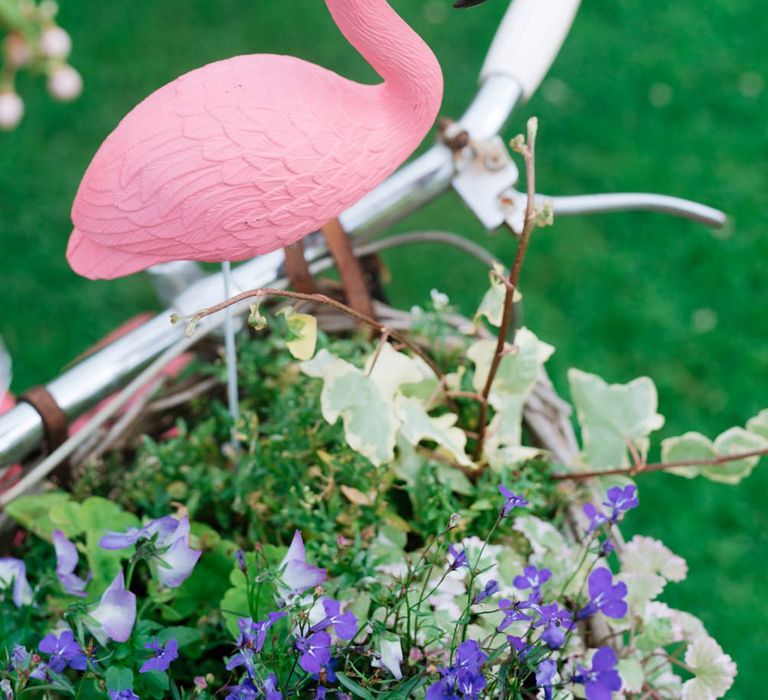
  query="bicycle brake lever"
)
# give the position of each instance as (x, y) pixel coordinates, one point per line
(512, 203)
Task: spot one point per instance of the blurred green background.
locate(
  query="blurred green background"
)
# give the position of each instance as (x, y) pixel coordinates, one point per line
(669, 97)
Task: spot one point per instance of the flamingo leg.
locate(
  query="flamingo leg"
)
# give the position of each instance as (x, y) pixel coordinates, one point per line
(297, 269)
(350, 270)
(231, 355)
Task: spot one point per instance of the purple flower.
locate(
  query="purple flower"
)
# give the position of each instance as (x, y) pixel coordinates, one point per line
(345, 624)
(456, 558)
(296, 575)
(546, 675)
(602, 680)
(20, 658)
(315, 651)
(126, 694)
(463, 679)
(606, 547)
(245, 691)
(66, 563)
(489, 589)
(320, 693)
(64, 651)
(251, 640)
(271, 691)
(513, 612)
(511, 501)
(596, 517)
(532, 578)
(164, 655)
(520, 647)
(555, 621)
(621, 500)
(604, 596)
(173, 557)
(240, 561)
(115, 614)
(14, 572)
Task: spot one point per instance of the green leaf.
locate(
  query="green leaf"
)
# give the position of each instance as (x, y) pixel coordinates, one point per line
(302, 333)
(418, 425)
(405, 690)
(759, 424)
(695, 446)
(492, 304)
(357, 690)
(155, 684)
(119, 678)
(34, 512)
(656, 633)
(632, 675)
(610, 415)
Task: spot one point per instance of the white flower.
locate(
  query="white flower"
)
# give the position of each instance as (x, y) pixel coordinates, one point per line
(55, 43)
(64, 83)
(11, 110)
(115, 614)
(391, 656)
(713, 669)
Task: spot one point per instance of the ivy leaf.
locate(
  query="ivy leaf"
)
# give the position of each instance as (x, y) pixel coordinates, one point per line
(34, 512)
(119, 678)
(492, 304)
(693, 446)
(256, 319)
(759, 424)
(418, 425)
(632, 675)
(612, 414)
(302, 333)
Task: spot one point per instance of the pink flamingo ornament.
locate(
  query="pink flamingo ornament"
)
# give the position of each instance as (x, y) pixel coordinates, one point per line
(247, 155)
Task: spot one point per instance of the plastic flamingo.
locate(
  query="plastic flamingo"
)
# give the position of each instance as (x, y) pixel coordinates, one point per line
(250, 154)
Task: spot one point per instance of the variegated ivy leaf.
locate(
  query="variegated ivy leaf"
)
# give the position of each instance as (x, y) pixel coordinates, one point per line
(256, 319)
(612, 414)
(366, 411)
(646, 566)
(418, 425)
(550, 550)
(302, 333)
(695, 446)
(632, 675)
(713, 670)
(492, 304)
(759, 424)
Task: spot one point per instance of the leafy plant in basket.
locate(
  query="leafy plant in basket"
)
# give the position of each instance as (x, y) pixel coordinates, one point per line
(393, 526)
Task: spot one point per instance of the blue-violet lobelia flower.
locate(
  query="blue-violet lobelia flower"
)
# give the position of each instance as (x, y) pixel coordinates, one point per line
(251, 640)
(164, 654)
(546, 677)
(66, 563)
(513, 612)
(456, 558)
(63, 651)
(556, 622)
(511, 501)
(596, 517)
(315, 651)
(173, 557)
(604, 596)
(620, 500)
(115, 614)
(534, 579)
(464, 678)
(490, 588)
(296, 576)
(344, 624)
(13, 572)
(602, 680)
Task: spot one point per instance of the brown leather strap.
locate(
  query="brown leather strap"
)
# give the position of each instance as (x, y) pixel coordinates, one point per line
(297, 270)
(55, 422)
(350, 271)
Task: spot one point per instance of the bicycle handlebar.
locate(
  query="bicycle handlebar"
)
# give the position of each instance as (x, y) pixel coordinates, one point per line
(528, 40)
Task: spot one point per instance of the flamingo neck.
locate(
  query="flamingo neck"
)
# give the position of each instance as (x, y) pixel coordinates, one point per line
(412, 76)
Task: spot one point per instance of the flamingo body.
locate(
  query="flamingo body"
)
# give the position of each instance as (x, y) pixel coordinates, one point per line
(250, 154)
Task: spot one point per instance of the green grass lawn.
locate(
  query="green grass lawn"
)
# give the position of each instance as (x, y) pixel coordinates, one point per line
(669, 97)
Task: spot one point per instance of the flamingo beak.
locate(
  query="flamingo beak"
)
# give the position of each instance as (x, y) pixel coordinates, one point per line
(467, 3)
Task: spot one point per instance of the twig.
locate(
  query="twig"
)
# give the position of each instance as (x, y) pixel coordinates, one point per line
(528, 151)
(663, 466)
(327, 301)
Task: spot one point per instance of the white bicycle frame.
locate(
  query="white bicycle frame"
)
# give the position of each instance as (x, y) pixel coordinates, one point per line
(522, 51)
